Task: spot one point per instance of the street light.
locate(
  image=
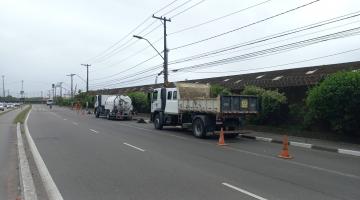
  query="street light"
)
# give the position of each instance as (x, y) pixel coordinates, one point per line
(142, 38)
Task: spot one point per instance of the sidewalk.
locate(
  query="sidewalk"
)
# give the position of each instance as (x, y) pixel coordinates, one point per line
(304, 142)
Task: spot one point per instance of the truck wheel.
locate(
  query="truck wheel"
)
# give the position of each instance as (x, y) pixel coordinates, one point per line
(157, 122)
(199, 128)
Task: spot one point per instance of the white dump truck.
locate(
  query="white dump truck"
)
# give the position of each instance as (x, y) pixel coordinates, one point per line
(113, 107)
(190, 106)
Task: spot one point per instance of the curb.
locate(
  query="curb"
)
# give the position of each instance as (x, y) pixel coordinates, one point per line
(51, 189)
(28, 191)
(304, 145)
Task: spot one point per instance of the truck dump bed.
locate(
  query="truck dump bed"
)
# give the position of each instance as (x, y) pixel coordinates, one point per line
(196, 98)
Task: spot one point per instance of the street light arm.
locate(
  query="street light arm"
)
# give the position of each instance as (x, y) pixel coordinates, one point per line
(142, 38)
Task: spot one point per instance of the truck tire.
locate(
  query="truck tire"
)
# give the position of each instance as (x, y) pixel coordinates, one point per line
(157, 122)
(199, 128)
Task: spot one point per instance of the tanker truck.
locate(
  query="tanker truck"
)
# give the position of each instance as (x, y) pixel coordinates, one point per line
(113, 107)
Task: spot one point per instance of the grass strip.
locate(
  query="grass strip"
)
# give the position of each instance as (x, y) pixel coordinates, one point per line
(22, 115)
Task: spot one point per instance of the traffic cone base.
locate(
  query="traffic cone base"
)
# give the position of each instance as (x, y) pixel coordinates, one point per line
(221, 138)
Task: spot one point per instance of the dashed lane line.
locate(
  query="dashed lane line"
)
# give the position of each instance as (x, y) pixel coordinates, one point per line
(93, 130)
(137, 148)
(244, 191)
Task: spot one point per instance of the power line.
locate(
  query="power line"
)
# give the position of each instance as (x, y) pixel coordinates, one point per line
(133, 67)
(130, 33)
(275, 50)
(269, 37)
(130, 75)
(242, 27)
(181, 12)
(280, 65)
(218, 18)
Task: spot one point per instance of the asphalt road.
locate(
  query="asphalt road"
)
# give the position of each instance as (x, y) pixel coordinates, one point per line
(91, 158)
(8, 156)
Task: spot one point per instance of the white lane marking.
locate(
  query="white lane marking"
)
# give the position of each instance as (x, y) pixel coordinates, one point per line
(244, 191)
(296, 163)
(49, 184)
(93, 130)
(349, 152)
(152, 131)
(75, 123)
(300, 144)
(26, 179)
(264, 139)
(140, 149)
(65, 119)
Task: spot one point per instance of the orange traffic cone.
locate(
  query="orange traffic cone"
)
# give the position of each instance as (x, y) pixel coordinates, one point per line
(285, 151)
(221, 138)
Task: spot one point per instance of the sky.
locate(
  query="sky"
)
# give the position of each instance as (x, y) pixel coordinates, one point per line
(42, 41)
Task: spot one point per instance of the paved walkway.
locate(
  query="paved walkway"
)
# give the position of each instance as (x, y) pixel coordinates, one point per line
(8, 156)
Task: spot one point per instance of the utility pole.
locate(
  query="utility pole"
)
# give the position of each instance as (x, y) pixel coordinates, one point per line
(72, 91)
(164, 20)
(3, 79)
(87, 76)
(22, 89)
(60, 85)
(53, 90)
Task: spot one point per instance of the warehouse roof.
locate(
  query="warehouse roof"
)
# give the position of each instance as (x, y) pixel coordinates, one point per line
(305, 76)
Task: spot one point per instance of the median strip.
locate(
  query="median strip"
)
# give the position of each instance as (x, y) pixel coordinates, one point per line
(243, 191)
(140, 149)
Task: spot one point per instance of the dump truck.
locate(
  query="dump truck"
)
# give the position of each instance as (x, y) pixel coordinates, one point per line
(113, 107)
(191, 107)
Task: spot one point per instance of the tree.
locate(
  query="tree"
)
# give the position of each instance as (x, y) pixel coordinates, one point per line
(336, 102)
(216, 90)
(271, 105)
(140, 102)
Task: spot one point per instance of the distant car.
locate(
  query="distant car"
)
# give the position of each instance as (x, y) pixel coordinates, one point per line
(2, 107)
(49, 102)
(10, 105)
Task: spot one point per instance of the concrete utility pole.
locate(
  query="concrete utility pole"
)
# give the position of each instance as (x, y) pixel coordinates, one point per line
(60, 85)
(164, 20)
(72, 91)
(3, 79)
(87, 76)
(22, 89)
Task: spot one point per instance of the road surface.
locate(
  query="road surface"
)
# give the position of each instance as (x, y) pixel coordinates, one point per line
(92, 158)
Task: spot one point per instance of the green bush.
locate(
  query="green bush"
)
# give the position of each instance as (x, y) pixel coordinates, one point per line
(140, 102)
(83, 98)
(216, 90)
(336, 102)
(272, 104)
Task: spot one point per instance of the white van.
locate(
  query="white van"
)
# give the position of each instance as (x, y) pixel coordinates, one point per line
(49, 102)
